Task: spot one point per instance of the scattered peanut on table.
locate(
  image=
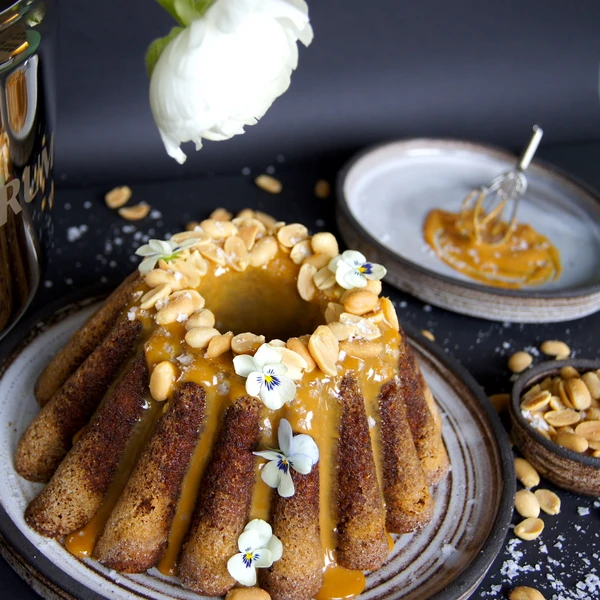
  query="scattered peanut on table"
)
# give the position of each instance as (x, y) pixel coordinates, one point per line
(268, 184)
(525, 593)
(519, 361)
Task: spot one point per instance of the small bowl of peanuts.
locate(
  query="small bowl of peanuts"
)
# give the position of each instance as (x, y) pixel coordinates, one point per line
(555, 414)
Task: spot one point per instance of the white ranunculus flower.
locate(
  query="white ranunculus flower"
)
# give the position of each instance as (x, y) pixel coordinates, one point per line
(225, 69)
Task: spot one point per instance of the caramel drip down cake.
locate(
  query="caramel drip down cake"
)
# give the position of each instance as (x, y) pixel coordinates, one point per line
(245, 410)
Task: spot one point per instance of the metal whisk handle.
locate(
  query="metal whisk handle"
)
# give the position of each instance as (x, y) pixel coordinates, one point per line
(529, 151)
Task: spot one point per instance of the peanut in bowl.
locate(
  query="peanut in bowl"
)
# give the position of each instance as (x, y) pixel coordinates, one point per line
(555, 416)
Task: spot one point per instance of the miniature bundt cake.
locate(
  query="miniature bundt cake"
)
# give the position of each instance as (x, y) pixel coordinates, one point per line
(245, 400)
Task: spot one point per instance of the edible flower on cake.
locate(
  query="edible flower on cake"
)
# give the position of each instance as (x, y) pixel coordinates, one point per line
(266, 376)
(259, 548)
(166, 250)
(298, 452)
(222, 67)
(352, 270)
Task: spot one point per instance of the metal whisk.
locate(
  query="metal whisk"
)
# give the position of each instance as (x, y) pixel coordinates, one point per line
(490, 202)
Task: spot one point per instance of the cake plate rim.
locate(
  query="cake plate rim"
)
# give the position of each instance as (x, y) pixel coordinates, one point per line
(52, 582)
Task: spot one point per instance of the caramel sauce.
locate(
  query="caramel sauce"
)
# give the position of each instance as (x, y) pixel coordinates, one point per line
(216, 404)
(527, 258)
(341, 584)
(81, 542)
(263, 300)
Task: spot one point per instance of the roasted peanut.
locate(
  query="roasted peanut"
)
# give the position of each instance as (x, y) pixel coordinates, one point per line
(269, 184)
(135, 213)
(592, 381)
(150, 298)
(527, 504)
(247, 343)
(525, 593)
(264, 250)
(118, 196)
(162, 380)
(325, 243)
(571, 441)
(359, 302)
(519, 361)
(555, 348)
(322, 189)
(199, 337)
(526, 474)
(324, 348)
(538, 402)
(290, 235)
(529, 529)
(306, 284)
(252, 593)
(549, 501)
(578, 393)
(219, 345)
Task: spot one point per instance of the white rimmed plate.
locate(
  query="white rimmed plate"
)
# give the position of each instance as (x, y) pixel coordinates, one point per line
(444, 561)
(385, 193)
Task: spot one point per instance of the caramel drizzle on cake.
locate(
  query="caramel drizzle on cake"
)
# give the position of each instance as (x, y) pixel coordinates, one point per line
(224, 290)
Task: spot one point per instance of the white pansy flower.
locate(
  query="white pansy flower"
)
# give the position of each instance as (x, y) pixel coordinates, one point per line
(266, 376)
(224, 69)
(298, 452)
(258, 548)
(352, 270)
(154, 250)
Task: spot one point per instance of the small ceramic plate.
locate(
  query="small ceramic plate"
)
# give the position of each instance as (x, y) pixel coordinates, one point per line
(444, 561)
(385, 193)
(566, 468)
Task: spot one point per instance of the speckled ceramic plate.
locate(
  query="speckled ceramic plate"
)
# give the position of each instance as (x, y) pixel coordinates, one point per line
(444, 561)
(385, 193)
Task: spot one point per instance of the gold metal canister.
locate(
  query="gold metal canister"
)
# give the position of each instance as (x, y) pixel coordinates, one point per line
(27, 117)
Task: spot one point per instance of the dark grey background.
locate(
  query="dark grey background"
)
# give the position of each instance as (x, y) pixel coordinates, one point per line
(377, 69)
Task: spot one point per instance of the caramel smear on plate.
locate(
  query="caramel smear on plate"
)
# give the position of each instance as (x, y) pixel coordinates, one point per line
(526, 258)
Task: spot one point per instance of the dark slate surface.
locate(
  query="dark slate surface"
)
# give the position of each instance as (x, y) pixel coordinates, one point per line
(94, 246)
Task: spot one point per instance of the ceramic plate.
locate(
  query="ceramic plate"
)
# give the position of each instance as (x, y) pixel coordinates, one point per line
(386, 192)
(444, 561)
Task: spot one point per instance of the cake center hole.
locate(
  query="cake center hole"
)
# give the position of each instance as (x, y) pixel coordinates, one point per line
(261, 301)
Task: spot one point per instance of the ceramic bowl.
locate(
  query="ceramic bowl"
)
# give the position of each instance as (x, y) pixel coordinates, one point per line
(566, 468)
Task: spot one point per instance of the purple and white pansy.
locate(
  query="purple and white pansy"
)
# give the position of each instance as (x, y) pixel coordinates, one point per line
(258, 548)
(166, 250)
(352, 270)
(266, 376)
(297, 452)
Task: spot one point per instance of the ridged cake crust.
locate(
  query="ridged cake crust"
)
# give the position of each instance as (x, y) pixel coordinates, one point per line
(135, 536)
(408, 501)
(362, 540)
(83, 341)
(223, 503)
(423, 427)
(298, 575)
(50, 435)
(78, 486)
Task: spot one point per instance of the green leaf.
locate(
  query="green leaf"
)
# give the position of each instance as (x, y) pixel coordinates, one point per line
(190, 10)
(169, 6)
(156, 48)
(186, 11)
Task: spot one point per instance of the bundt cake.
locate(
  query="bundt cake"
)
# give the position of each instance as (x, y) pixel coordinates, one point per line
(243, 410)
